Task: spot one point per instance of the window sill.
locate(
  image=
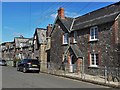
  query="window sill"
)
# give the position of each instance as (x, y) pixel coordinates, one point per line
(94, 40)
(74, 42)
(65, 44)
(93, 66)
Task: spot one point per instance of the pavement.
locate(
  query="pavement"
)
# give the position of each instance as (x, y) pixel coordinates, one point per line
(87, 78)
(11, 78)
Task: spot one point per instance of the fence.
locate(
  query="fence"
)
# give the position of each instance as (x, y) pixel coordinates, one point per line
(100, 74)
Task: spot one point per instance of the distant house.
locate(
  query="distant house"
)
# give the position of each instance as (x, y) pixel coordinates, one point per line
(8, 52)
(39, 45)
(21, 46)
(27, 49)
(3, 47)
(0, 51)
(91, 39)
(29, 46)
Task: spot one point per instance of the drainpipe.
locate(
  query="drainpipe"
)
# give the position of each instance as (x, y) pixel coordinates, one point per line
(83, 74)
(84, 67)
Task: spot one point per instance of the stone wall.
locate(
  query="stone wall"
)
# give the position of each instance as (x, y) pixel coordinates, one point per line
(104, 46)
(43, 57)
(57, 49)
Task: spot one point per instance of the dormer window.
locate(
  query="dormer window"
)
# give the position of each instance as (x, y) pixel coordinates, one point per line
(65, 38)
(75, 37)
(94, 33)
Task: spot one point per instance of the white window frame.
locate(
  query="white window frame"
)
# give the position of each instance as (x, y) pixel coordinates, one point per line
(94, 29)
(75, 37)
(34, 40)
(21, 45)
(59, 26)
(35, 37)
(95, 60)
(65, 35)
(63, 57)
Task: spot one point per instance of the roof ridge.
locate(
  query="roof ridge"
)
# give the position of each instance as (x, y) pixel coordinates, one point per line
(117, 3)
(99, 17)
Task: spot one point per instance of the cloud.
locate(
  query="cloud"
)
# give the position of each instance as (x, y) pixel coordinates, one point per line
(67, 14)
(54, 15)
(12, 30)
(8, 28)
(71, 14)
(17, 34)
(36, 13)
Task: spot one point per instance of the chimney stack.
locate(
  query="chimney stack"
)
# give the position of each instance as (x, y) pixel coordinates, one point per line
(49, 27)
(61, 13)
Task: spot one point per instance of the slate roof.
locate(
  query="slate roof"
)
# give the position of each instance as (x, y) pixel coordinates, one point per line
(100, 16)
(19, 40)
(97, 17)
(29, 42)
(5, 45)
(75, 50)
(67, 22)
(41, 33)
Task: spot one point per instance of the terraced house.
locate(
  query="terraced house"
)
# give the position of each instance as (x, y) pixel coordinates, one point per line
(8, 52)
(7, 49)
(39, 45)
(91, 40)
(23, 47)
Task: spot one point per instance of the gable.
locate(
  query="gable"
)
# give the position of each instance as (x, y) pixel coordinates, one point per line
(65, 24)
(40, 35)
(19, 40)
(75, 50)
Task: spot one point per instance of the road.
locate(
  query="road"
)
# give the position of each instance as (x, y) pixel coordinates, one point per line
(11, 78)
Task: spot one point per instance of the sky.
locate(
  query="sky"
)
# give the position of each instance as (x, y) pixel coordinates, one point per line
(22, 18)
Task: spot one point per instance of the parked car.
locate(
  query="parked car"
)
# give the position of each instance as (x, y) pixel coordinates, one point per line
(3, 63)
(28, 65)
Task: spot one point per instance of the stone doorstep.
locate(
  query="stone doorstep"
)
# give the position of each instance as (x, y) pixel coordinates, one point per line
(110, 84)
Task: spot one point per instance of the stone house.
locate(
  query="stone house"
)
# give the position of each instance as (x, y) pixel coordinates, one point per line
(27, 49)
(8, 50)
(3, 49)
(21, 46)
(39, 45)
(0, 51)
(91, 39)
